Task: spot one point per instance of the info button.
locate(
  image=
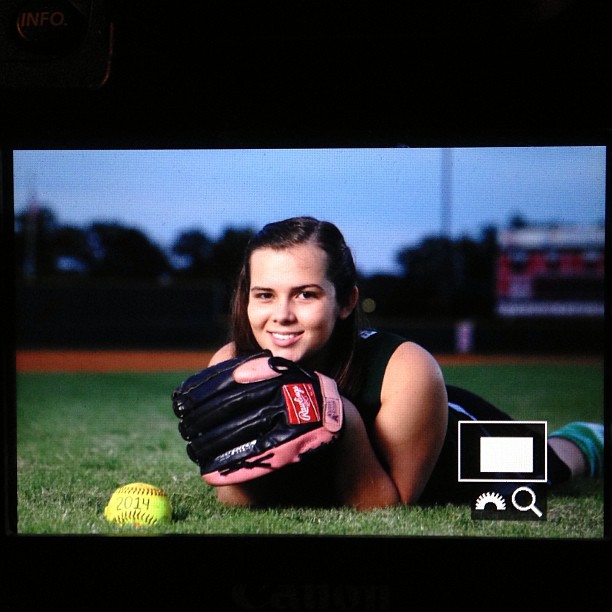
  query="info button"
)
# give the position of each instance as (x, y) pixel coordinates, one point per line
(50, 26)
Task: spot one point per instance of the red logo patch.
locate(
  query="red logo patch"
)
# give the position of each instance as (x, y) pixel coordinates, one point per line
(302, 405)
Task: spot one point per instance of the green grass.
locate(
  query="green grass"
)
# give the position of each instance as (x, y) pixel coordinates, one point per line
(79, 436)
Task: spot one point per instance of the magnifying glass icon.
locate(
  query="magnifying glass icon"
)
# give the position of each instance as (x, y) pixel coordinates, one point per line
(530, 506)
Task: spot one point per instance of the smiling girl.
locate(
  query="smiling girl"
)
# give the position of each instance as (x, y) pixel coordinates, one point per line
(297, 296)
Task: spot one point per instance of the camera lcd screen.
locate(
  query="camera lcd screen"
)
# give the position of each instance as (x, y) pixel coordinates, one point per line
(491, 258)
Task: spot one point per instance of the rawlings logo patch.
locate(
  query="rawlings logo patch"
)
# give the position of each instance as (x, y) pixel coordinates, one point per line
(301, 402)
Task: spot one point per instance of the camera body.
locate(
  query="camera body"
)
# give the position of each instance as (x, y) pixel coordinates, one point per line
(54, 44)
(136, 74)
(316, 74)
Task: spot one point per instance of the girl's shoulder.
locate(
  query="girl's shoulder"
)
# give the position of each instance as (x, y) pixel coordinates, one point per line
(383, 354)
(227, 351)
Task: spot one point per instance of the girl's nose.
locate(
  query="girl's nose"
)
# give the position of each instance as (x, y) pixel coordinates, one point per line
(283, 311)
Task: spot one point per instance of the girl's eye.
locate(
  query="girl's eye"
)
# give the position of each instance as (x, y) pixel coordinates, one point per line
(306, 295)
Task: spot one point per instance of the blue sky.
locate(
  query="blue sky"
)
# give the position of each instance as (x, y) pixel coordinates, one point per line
(382, 199)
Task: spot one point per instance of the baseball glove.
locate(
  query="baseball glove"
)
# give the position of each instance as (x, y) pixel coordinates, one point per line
(248, 416)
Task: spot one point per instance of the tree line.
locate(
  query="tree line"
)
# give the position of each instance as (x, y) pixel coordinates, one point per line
(438, 277)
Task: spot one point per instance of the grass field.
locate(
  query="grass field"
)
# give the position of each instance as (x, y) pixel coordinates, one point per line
(82, 434)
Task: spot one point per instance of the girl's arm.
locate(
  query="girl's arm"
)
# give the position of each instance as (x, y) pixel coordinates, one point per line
(411, 424)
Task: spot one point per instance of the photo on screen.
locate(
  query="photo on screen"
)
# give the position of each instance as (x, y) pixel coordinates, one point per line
(491, 258)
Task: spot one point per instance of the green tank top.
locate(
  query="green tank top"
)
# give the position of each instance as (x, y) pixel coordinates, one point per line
(373, 353)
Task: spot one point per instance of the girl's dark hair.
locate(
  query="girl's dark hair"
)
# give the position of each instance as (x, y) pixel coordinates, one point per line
(341, 272)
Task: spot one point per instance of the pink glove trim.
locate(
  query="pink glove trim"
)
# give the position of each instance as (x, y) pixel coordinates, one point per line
(254, 370)
(332, 404)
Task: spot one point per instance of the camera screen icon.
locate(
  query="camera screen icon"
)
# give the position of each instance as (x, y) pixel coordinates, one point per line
(500, 451)
(509, 460)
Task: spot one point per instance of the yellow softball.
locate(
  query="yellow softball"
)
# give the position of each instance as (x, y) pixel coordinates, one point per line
(138, 504)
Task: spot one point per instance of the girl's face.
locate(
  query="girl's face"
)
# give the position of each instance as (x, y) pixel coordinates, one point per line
(292, 305)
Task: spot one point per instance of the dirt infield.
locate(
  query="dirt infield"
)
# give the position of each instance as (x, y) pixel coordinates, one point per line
(163, 361)
(110, 361)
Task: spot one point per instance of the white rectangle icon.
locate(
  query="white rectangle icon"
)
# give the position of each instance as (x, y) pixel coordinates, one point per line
(509, 461)
(506, 454)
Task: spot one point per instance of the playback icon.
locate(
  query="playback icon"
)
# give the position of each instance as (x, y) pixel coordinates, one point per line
(506, 463)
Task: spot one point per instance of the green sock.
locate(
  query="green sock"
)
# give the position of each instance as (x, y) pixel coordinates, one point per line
(589, 438)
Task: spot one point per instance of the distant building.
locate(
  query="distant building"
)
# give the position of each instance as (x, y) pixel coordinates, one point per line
(551, 271)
